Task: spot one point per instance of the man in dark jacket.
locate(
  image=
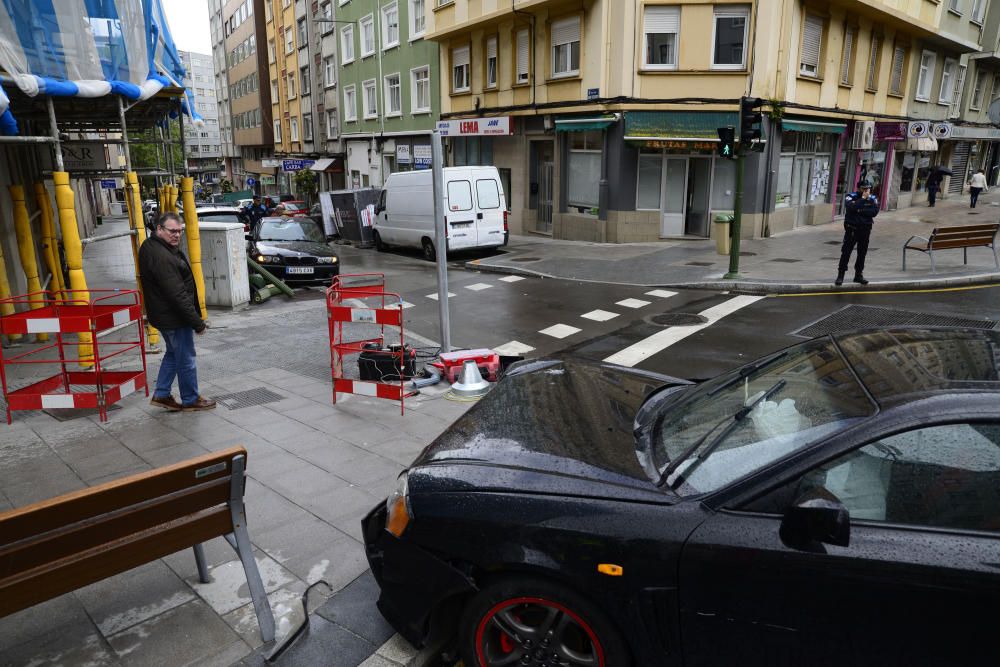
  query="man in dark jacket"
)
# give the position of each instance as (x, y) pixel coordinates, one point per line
(255, 210)
(171, 301)
(862, 207)
(933, 185)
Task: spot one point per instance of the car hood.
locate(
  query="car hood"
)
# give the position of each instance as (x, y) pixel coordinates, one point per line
(570, 419)
(312, 248)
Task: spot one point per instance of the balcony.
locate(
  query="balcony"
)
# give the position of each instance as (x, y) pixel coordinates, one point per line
(461, 16)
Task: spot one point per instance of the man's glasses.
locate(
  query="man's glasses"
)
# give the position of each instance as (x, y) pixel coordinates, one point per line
(172, 231)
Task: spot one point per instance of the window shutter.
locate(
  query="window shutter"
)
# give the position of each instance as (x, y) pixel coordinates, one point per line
(491, 47)
(460, 57)
(660, 20)
(896, 78)
(812, 35)
(522, 55)
(845, 61)
(566, 31)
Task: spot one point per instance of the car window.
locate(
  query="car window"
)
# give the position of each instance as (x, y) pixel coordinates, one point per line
(488, 193)
(221, 217)
(459, 196)
(303, 229)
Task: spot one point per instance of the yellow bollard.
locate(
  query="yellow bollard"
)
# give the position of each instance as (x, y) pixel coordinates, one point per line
(50, 247)
(138, 224)
(161, 200)
(74, 255)
(6, 308)
(194, 241)
(26, 249)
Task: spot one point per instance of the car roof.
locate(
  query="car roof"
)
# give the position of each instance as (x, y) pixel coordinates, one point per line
(217, 209)
(896, 363)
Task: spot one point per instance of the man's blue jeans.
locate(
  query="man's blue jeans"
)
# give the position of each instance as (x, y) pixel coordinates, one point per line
(179, 362)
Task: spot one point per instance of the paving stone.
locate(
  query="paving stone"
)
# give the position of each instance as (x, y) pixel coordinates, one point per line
(28, 624)
(312, 550)
(132, 597)
(40, 486)
(217, 552)
(286, 606)
(354, 608)
(75, 644)
(96, 465)
(173, 453)
(328, 644)
(398, 650)
(228, 589)
(378, 661)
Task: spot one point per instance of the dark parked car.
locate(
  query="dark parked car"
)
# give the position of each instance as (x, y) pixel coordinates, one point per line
(836, 503)
(293, 249)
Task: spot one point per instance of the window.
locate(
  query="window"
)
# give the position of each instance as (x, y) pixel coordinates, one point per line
(523, 56)
(305, 86)
(487, 193)
(289, 41)
(350, 103)
(303, 35)
(947, 91)
(847, 56)
(326, 13)
(660, 26)
(729, 49)
(874, 62)
(420, 87)
(370, 99)
(270, 51)
(566, 47)
(649, 180)
(978, 11)
(293, 133)
(460, 69)
(329, 72)
(393, 96)
(331, 124)
(390, 25)
(291, 86)
(277, 131)
(956, 97)
(274, 89)
(896, 73)
(812, 38)
(367, 36)
(977, 91)
(584, 169)
(459, 196)
(347, 44)
(418, 19)
(928, 62)
(995, 90)
(491, 62)
(955, 6)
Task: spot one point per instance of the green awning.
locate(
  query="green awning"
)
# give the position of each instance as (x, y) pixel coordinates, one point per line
(584, 124)
(813, 126)
(677, 125)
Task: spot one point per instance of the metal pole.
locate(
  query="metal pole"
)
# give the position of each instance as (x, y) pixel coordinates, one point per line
(121, 119)
(440, 238)
(734, 248)
(54, 131)
(180, 126)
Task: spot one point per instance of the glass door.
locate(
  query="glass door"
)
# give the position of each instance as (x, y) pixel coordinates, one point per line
(800, 187)
(674, 190)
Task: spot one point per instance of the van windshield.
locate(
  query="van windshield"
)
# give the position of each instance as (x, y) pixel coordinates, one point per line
(459, 196)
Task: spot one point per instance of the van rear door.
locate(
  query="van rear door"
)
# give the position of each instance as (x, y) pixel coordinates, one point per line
(491, 205)
(461, 214)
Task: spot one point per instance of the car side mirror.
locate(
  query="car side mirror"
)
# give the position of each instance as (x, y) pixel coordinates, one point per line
(817, 516)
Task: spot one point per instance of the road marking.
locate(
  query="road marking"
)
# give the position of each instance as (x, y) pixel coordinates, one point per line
(661, 340)
(478, 287)
(405, 304)
(866, 292)
(632, 303)
(513, 348)
(559, 331)
(512, 279)
(662, 293)
(599, 315)
(435, 295)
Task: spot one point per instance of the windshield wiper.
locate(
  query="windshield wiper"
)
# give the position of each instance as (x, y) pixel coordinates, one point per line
(740, 415)
(746, 372)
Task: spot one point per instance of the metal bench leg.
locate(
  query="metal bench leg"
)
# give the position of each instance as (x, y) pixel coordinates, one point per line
(996, 260)
(933, 267)
(904, 258)
(965, 255)
(240, 540)
(199, 559)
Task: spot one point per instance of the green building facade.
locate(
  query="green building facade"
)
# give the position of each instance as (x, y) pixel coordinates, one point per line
(388, 87)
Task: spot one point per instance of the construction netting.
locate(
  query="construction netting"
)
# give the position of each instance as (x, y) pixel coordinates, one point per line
(87, 48)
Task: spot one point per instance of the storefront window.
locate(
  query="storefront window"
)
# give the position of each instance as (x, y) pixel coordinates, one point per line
(650, 177)
(873, 168)
(923, 171)
(472, 151)
(783, 197)
(584, 169)
(907, 171)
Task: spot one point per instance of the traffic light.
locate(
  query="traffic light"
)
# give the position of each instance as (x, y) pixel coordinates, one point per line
(727, 142)
(751, 122)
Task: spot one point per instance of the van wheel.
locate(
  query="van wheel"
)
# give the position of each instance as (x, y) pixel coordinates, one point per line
(381, 247)
(429, 253)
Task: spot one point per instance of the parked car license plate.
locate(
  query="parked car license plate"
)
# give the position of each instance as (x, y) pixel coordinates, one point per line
(299, 269)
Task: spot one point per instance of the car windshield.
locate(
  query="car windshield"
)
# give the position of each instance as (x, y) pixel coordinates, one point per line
(290, 207)
(303, 229)
(745, 420)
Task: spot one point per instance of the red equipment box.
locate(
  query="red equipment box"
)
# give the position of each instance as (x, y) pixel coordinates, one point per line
(451, 363)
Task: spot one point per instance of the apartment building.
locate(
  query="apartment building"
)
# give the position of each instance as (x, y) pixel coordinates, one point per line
(332, 165)
(602, 116)
(982, 89)
(203, 145)
(387, 78)
(221, 84)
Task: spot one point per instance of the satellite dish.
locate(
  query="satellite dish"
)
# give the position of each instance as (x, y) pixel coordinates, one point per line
(994, 111)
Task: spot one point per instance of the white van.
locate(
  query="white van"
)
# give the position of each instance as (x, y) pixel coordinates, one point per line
(474, 205)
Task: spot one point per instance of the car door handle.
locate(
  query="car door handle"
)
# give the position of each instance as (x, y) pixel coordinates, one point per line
(479, 216)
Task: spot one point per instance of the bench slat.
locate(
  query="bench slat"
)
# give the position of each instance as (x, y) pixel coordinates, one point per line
(939, 244)
(990, 227)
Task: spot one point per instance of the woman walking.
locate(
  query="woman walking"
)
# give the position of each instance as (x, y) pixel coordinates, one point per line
(977, 184)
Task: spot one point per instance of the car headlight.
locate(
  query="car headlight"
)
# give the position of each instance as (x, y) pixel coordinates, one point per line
(269, 259)
(326, 260)
(398, 508)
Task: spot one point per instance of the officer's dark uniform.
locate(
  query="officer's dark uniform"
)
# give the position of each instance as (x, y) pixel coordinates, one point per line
(858, 222)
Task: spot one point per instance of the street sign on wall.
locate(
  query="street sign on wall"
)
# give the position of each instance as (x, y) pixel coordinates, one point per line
(296, 165)
(270, 163)
(421, 157)
(402, 154)
(108, 184)
(473, 127)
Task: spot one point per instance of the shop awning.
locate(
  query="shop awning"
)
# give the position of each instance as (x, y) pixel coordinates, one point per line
(334, 164)
(321, 165)
(924, 144)
(584, 124)
(677, 125)
(813, 126)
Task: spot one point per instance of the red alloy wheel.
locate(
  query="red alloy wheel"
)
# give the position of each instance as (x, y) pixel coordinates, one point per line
(536, 631)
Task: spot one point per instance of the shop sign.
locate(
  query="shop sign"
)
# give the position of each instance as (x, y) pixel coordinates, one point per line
(677, 125)
(267, 179)
(890, 131)
(959, 132)
(84, 157)
(108, 184)
(472, 127)
(422, 157)
(270, 163)
(402, 154)
(296, 165)
(681, 146)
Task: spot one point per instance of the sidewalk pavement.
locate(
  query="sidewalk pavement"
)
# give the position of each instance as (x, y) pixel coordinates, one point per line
(802, 260)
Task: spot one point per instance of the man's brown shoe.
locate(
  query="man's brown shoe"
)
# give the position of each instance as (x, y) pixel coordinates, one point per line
(201, 404)
(167, 402)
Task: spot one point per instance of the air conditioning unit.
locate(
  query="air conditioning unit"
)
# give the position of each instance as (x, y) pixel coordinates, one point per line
(941, 130)
(917, 129)
(864, 134)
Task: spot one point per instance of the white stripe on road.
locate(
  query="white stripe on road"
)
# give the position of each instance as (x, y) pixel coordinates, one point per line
(435, 295)
(478, 287)
(662, 293)
(511, 279)
(632, 303)
(513, 348)
(599, 315)
(661, 340)
(560, 331)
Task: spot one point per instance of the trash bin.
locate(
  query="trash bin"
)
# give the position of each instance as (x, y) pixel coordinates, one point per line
(723, 232)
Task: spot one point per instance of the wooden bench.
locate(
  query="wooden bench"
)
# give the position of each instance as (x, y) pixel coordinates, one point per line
(964, 237)
(61, 544)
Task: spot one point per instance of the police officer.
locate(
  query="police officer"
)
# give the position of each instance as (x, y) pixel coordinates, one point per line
(862, 207)
(255, 210)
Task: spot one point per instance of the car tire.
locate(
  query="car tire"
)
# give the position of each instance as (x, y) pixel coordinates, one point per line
(429, 253)
(379, 245)
(551, 621)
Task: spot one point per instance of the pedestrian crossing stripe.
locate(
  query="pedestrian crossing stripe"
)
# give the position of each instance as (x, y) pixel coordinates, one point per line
(478, 287)
(513, 348)
(560, 331)
(632, 303)
(511, 279)
(435, 295)
(599, 315)
(662, 293)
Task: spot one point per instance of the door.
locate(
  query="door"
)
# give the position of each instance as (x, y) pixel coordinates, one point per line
(546, 184)
(491, 210)
(699, 189)
(800, 189)
(674, 202)
(917, 584)
(461, 214)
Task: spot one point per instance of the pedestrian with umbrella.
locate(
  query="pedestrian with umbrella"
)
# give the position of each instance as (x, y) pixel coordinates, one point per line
(934, 183)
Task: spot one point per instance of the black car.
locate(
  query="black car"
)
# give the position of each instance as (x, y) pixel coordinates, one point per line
(836, 503)
(294, 250)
